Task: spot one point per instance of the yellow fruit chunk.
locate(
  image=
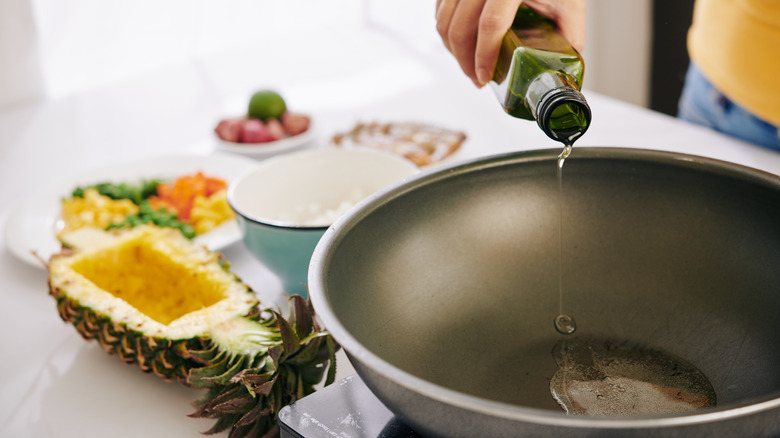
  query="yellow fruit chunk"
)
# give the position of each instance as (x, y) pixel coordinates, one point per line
(209, 212)
(94, 210)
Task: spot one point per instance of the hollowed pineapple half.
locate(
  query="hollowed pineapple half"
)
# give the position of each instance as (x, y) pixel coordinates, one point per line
(154, 298)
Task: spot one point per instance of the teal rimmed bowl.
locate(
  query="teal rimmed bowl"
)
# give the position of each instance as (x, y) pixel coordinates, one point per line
(284, 205)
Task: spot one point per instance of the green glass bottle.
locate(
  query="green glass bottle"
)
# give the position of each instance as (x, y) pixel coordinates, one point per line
(538, 76)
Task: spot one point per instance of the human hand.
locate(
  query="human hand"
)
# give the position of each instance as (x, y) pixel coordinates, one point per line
(472, 30)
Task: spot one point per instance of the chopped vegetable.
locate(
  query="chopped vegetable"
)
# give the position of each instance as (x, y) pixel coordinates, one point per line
(194, 204)
(160, 217)
(134, 192)
(182, 193)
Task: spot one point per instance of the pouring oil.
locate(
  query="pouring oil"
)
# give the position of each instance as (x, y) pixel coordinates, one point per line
(563, 323)
(603, 378)
(538, 76)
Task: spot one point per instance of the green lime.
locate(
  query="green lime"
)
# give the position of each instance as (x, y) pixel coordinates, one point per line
(266, 104)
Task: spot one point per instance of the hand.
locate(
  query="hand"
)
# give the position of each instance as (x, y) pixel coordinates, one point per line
(472, 30)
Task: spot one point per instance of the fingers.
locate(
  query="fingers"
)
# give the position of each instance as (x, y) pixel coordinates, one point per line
(571, 21)
(444, 11)
(457, 22)
(472, 30)
(569, 15)
(438, 6)
(495, 19)
(463, 35)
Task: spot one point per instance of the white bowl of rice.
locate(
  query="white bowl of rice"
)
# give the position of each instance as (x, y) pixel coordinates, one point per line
(286, 203)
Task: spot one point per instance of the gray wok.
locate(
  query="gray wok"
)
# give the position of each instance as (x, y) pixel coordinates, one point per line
(443, 288)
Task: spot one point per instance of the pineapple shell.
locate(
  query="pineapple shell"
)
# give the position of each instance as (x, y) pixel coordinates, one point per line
(155, 299)
(147, 295)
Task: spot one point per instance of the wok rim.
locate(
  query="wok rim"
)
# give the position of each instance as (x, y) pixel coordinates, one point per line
(355, 349)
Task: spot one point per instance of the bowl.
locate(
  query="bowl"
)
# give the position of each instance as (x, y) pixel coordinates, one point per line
(285, 203)
(663, 260)
(270, 148)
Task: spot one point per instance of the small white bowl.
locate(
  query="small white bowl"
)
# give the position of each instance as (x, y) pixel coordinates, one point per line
(286, 203)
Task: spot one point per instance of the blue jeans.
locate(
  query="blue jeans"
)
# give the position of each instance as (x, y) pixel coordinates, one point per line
(703, 104)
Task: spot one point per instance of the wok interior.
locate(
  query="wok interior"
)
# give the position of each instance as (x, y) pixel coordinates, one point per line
(456, 281)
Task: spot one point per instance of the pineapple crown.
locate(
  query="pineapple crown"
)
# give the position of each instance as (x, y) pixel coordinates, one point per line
(254, 366)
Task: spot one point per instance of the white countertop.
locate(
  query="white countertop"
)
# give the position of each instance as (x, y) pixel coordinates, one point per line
(55, 384)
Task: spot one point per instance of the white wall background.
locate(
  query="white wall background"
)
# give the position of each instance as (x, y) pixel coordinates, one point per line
(50, 49)
(20, 58)
(618, 49)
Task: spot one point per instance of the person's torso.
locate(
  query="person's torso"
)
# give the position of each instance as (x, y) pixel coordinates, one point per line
(736, 44)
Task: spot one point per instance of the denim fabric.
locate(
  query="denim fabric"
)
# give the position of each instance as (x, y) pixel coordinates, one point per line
(703, 104)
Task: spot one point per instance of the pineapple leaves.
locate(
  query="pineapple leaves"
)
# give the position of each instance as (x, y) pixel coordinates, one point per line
(301, 317)
(201, 377)
(332, 347)
(290, 340)
(255, 367)
(255, 383)
(221, 425)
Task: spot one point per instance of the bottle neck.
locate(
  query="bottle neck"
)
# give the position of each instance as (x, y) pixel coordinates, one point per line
(558, 107)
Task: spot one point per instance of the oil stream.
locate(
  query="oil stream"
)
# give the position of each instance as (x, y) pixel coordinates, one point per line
(565, 324)
(603, 378)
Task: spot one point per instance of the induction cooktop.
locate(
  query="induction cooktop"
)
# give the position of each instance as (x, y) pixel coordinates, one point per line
(344, 409)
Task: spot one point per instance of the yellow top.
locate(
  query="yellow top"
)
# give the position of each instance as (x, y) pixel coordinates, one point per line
(736, 44)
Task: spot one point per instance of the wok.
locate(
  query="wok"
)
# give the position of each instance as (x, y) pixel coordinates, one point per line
(442, 289)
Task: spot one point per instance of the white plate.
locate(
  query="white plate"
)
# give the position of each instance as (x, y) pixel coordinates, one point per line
(262, 150)
(31, 228)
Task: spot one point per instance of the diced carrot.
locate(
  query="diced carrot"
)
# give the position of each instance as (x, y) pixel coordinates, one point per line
(180, 195)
